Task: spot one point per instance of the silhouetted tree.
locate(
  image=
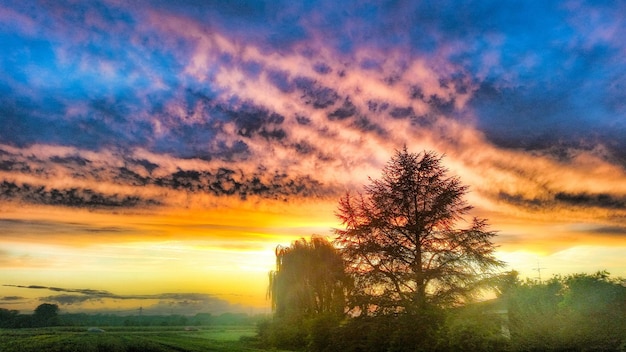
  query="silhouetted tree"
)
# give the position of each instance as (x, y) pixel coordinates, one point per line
(8, 317)
(401, 241)
(309, 279)
(46, 314)
(307, 291)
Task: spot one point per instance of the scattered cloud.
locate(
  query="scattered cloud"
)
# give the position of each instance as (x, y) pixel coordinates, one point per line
(9, 299)
(43, 228)
(161, 303)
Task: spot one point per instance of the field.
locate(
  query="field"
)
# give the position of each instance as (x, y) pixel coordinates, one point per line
(119, 339)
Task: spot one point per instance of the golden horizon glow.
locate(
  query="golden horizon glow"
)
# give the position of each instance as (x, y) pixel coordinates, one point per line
(227, 253)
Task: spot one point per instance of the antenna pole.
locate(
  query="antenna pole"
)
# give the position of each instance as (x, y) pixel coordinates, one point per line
(538, 269)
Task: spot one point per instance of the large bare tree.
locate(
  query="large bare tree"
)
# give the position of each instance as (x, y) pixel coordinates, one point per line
(402, 243)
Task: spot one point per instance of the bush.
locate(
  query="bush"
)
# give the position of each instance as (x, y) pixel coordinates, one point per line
(475, 333)
(364, 334)
(289, 334)
(387, 333)
(321, 332)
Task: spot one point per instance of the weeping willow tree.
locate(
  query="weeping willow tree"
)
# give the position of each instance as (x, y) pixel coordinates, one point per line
(309, 280)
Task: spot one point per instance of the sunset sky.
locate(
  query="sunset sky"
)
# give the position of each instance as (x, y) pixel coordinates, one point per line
(154, 153)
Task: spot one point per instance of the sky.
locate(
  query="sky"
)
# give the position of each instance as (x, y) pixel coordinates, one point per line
(153, 154)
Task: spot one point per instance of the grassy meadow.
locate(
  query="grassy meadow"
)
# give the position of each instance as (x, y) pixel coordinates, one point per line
(128, 339)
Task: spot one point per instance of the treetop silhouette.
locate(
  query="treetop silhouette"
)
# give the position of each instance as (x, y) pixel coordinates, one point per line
(402, 243)
(309, 279)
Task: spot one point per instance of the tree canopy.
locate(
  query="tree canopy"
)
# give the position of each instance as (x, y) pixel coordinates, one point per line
(402, 243)
(46, 314)
(568, 313)
(308, 294)
(309, 279)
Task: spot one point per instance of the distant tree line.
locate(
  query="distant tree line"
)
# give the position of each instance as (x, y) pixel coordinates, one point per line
(48, 315)
(45, 314)
(404, 275)
(200, 319)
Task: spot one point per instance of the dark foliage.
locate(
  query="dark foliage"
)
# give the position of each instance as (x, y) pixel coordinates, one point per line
(309, 280)
(402, 241)
(401, 333)
(579, 312)
(308, 293)
(12, 319)
(46, 314)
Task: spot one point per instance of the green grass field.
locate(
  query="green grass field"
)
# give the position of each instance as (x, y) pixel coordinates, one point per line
(118, 339)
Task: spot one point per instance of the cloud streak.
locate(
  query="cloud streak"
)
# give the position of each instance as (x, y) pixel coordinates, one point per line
(162, 303)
